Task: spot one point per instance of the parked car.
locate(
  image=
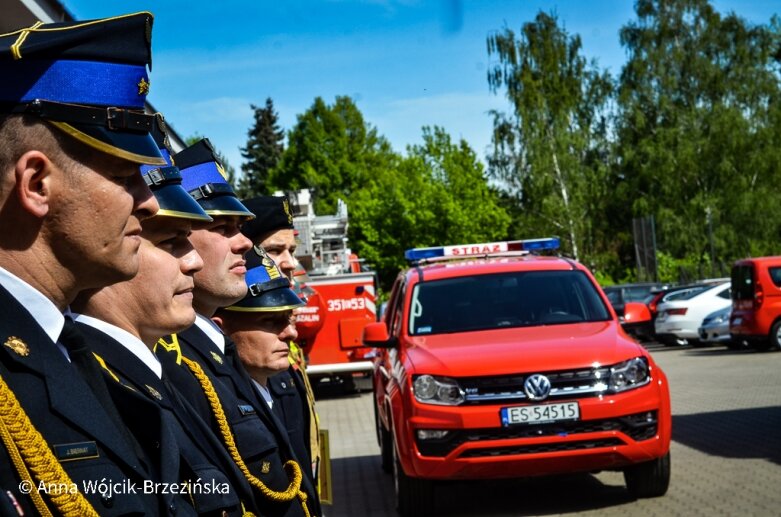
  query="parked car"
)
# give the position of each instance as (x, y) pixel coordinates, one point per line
(495, 364)
(620, 294)
(673, 291)
(715, 328)
(756, 302)
(679, 317)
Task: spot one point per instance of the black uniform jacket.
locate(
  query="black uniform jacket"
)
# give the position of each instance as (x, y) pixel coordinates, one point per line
(184, 448)
(290, 406)
(260, 437)
(89, 445)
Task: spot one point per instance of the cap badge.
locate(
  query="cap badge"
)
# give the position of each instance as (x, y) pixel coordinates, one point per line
(216, 357)
(18, 346)
(221, 170)
(265, 467)
(286, 207)
(143, 87)
(153, 392)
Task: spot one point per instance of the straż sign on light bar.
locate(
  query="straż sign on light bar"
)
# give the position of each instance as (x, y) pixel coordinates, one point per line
(474, 249)
(488, 248)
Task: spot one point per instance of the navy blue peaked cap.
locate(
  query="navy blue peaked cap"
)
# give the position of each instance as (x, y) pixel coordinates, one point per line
(268, 289)
(88, 78)
(272, 213)
(166, 182)
(205, 179)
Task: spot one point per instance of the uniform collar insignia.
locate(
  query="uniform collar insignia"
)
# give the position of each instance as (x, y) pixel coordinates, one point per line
(172, 347)
(265, 468)
(217, 357)
(18, 346)
(153, 392)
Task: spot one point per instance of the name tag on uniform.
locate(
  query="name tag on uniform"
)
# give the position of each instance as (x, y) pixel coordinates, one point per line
(76, 451)
(246, 409)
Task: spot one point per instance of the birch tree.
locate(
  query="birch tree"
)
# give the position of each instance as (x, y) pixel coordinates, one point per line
(550, 150)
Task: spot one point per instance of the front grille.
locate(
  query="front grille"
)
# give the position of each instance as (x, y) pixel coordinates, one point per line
(570, 384)
(639, 426)
(536, 449)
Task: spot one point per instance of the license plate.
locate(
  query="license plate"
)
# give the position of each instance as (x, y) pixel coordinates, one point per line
(540, 414)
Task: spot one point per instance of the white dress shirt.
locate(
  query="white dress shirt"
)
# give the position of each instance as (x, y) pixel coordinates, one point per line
(46, 314)
(212, 330)
(126, 339)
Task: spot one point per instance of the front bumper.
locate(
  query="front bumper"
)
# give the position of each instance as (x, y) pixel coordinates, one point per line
(715, 334)
(609, 435)
(677, 326)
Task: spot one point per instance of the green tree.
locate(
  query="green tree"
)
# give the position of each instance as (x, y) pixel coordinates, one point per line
(551, 151)
(698, 128)
(265, 144)
(229, 170)
(437, 195)
(333, 151)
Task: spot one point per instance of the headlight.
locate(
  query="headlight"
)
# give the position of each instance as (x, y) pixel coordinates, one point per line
(629, 374)
(437, 390)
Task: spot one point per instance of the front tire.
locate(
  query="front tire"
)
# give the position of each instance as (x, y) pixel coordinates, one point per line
(775, 336)
(414, 496)
(386, 447)
(649, 479)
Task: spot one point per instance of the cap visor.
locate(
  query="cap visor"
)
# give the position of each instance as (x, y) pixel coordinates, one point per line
(174, 201)
(132, 146)
(277, 300)
(225, 205)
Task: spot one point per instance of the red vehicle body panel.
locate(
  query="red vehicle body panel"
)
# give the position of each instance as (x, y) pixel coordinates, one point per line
(346, 305)
(752, 318)
(512, 351)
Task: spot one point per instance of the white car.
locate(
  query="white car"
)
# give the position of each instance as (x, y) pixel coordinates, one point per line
(679, 318)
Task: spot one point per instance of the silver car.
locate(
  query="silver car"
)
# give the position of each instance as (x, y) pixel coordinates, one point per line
(715, 328)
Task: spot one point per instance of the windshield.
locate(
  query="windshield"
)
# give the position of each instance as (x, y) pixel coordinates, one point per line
(685, 294)
(518, 299)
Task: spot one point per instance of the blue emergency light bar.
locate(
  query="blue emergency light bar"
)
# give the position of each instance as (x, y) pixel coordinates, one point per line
(487, 248)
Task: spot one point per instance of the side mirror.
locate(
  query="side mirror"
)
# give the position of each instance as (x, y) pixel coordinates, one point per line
(375, 335)
(636, 312)
(637, 320)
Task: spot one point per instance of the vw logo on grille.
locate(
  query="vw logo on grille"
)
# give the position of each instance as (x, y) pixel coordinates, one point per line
(537, 387)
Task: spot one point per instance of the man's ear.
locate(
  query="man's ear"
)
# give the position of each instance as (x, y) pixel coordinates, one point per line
(218, 321)
(34, 182)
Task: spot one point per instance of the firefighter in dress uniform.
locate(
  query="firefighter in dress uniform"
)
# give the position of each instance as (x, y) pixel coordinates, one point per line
(273, 230)
(72, 136)
(263, 325)
(212, 378)
(123, 323)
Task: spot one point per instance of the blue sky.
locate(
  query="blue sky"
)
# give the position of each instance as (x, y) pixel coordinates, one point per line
(407, 63)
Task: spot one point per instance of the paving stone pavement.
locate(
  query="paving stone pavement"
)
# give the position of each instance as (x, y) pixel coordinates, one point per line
(726, 452)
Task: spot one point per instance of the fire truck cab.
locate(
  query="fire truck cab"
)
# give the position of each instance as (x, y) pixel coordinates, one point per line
(346, 294)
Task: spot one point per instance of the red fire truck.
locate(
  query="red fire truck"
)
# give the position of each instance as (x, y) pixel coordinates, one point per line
(343, 302)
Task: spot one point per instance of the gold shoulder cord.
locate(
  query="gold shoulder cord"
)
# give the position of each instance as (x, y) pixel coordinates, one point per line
(29, 452)
(293, 490)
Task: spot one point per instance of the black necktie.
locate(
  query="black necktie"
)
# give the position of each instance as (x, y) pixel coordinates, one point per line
(82, 358)
(84, 361)
(230, 351)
